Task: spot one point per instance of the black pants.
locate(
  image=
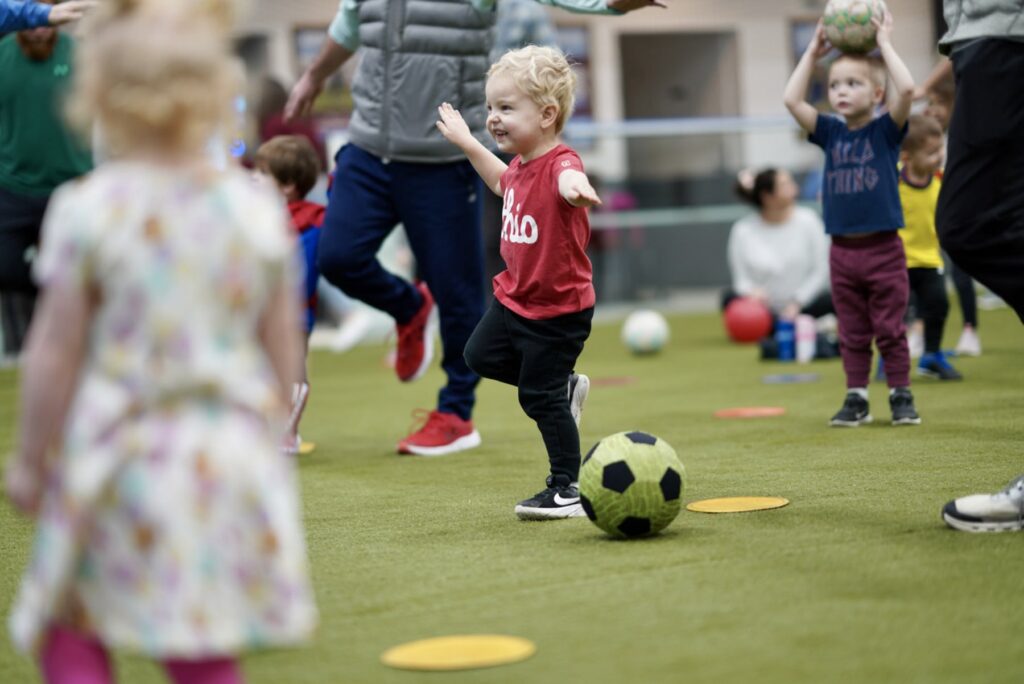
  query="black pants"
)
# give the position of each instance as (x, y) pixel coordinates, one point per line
(980, 216)
(928, 287)
(537, 357)
(21, 218)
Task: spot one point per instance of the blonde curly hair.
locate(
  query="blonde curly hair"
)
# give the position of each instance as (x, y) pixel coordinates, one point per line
(544, 75)
(155, 75)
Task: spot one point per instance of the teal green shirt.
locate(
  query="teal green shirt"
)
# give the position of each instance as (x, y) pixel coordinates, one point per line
(344, 29)
(37, 151)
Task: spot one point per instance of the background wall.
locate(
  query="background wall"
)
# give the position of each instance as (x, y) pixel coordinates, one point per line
(696, 58)
(641, 62)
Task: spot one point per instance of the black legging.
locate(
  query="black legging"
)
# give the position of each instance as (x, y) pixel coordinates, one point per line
(932, 304)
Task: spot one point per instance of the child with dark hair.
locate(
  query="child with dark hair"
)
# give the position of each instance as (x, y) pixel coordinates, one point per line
(292, 164)
(778, 254)
(922, 154)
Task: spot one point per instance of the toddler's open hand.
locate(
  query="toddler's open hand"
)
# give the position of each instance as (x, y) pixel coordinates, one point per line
(883, 28)
(453, 127)
(820, 44)
(578, 191)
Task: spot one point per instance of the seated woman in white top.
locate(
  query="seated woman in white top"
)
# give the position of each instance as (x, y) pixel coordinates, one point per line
(778, 254)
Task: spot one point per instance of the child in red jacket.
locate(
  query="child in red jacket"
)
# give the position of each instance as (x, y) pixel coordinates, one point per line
(292, 163)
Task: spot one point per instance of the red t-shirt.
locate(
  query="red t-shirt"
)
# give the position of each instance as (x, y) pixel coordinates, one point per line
(543, 240)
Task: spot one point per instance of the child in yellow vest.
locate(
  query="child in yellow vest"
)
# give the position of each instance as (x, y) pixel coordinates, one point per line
(921, 157)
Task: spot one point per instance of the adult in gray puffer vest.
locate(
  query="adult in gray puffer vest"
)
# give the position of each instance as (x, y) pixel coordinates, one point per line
(980, 215)
(398, 168)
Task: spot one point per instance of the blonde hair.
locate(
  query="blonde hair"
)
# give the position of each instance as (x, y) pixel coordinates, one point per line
(874, 65)
(544, 75)
(155, 74)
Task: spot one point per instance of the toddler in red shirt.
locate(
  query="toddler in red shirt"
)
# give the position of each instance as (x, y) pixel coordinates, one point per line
(544, 300)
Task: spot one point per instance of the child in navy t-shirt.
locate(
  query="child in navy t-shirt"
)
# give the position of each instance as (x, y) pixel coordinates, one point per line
(544, 301)
(860, 196)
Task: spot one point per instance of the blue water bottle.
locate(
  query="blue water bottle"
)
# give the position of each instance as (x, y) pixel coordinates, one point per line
(785, 339)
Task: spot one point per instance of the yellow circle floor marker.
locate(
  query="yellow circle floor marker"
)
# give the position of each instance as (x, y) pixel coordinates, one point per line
(750, 412)
(306, 448)
(737, 504)
(465, 652)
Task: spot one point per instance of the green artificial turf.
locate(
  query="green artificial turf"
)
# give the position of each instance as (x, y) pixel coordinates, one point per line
(858, 580)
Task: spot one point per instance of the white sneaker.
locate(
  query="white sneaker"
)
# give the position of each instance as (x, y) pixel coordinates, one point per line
(579, 388)
(969, 344)
(999, 512)
(988, 301)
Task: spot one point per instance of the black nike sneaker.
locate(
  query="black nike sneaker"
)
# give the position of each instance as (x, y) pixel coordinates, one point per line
(901, 401)
(855, 412)
(552, 503)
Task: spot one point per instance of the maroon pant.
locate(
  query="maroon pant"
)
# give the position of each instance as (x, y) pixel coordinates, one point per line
(870, 290)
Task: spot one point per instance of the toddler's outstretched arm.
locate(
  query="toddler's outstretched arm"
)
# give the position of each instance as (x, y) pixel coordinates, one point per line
(53, 359)
(453, 127)
(902, 81)
(280, 334)
(795, 95)
(575, 188)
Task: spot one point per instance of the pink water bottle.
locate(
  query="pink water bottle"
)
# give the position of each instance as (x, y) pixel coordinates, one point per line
(806, 338)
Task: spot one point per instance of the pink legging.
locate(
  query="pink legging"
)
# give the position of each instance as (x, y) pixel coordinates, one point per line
(71, 658)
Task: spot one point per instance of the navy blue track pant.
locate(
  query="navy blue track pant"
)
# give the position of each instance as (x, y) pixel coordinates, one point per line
(439, 206)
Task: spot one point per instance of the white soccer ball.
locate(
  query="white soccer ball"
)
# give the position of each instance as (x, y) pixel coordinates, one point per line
(645, 332)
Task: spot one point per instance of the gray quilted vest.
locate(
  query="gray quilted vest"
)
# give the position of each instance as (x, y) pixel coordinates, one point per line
(972, 19)
(417, 54)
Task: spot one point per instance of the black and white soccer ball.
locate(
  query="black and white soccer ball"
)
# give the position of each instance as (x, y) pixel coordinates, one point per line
(631, 484)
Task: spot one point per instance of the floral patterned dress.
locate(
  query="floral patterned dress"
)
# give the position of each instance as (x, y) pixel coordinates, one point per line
(171, 522)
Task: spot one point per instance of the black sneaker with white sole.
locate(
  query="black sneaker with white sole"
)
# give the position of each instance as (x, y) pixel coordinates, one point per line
(855, 411)
(901, 401)
(579, 388)
(552, 503)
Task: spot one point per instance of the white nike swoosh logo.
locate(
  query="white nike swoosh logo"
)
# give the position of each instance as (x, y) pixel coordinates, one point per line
(559, 501)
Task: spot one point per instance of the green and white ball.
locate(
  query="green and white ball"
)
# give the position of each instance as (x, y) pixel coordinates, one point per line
(645, 332)
(631, 484)
(848, 24)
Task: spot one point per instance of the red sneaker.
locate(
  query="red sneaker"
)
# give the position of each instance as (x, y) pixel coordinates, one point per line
(442, 433)
(416, 340)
